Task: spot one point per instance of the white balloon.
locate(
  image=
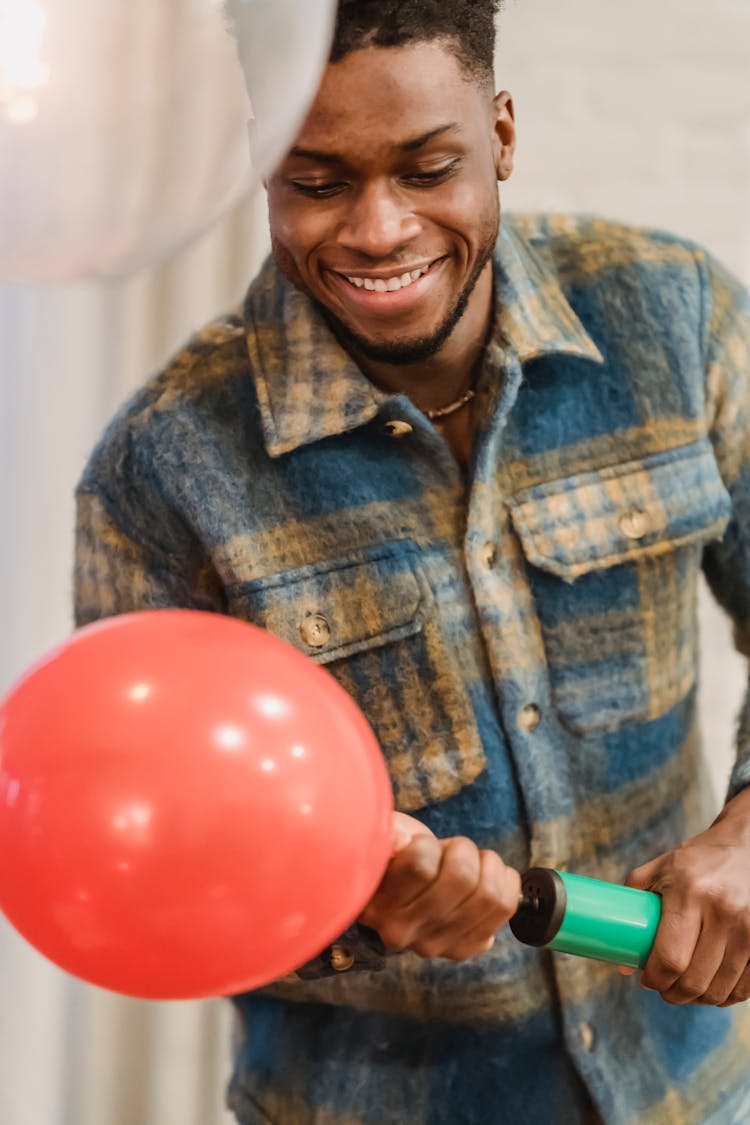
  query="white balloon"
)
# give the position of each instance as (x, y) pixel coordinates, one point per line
(126, 126)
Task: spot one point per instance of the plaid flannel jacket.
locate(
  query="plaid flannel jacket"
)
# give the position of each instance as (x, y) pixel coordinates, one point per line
(523, 643)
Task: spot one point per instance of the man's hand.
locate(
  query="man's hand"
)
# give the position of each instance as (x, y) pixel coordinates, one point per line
(441, 898)
(702, 946)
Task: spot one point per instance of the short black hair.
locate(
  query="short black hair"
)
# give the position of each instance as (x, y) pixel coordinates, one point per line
(467, 26)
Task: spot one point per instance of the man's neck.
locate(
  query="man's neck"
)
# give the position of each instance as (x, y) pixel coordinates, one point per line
(444, 377)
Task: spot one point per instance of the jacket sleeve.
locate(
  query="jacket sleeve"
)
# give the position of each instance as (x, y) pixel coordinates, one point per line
(118, 571)
(726, 563)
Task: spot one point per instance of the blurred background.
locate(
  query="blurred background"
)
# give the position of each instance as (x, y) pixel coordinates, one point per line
(638, 111)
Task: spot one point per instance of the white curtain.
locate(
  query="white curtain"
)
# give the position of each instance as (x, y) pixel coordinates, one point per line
(71, 1054)
(640, 111)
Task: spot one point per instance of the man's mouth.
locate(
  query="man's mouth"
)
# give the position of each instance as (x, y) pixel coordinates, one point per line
(380, 284)
(388, 291)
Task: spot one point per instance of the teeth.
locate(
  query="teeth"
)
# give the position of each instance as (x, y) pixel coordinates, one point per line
(392, 285)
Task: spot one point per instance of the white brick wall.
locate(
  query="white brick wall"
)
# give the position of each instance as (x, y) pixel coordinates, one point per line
(640, 111)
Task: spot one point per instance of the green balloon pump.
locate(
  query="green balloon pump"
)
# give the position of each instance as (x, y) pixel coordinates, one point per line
(575, 914)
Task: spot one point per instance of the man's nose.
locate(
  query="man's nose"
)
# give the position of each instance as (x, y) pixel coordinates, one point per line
(379, 221)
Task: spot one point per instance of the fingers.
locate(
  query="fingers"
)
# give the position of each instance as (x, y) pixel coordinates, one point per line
(703, 966)
(702, 946)
(672, 953)
(404, 829)
(410, 873)
(731, 983)
(643, 878)
(717, 972)
(443, 898)
(471, 926)
(741, 990)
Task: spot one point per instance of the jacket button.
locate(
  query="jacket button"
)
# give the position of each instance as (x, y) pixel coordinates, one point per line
(341, 958)
(396, 428)
(529, 718)
(634, 524)
(315, 631)
(588, 1038)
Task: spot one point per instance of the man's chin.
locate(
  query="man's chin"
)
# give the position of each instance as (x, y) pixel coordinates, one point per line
(399, 350)
(395, 352)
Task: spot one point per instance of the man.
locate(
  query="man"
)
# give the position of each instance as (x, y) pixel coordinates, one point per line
(474, 468)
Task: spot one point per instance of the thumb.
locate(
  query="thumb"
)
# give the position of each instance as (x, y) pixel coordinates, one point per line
(641, 878)
(405, 828)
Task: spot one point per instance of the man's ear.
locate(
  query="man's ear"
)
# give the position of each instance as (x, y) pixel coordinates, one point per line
(505, 134)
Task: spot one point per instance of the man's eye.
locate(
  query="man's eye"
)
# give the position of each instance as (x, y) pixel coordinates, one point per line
(436, 176)
(317, 191)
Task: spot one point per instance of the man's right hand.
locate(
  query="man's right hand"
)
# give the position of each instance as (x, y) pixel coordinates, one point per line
(441, 898)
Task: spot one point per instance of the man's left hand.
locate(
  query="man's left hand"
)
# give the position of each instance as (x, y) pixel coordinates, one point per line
(702, 946)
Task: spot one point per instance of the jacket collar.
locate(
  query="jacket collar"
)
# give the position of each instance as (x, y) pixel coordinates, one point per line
(308, 386)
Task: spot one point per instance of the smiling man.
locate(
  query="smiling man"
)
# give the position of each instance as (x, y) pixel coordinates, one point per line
(474, 468)
(386, 211)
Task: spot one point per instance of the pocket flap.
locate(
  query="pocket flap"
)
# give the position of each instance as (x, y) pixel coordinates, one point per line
(333, 609)
(596, 520)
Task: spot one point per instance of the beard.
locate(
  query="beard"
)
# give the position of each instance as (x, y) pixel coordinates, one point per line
(419, 348)
(397, 352)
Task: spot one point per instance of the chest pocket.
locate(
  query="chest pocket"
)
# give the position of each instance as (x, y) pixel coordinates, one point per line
(370, 619)
(614, 557)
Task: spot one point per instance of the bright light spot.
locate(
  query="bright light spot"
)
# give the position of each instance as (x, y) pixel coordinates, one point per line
(22, 71)
(268, 765)
(124, 865)
(298, 751)
(136, 816)
(272, 706)
(230, 738)
(139, 692)
(306, 809)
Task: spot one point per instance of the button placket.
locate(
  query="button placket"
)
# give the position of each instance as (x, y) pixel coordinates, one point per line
(509, 623)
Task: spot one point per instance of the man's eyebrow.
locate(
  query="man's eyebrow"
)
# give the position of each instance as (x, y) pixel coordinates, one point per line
(417, 142)
(406, 146)
(314, 154)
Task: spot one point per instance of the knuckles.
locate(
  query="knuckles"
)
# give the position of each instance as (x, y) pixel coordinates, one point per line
(427, 948)
(461, 863)
(420, 860)
(668, 968)
(722, 902)
(684, 992)
(740, 994)
(392, 934)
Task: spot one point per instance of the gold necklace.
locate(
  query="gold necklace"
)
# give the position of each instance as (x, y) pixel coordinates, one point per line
(452, 407)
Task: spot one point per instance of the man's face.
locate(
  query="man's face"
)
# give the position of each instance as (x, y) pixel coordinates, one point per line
(386, 210)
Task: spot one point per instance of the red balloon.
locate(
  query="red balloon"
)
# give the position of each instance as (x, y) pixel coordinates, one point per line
(189, 807)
